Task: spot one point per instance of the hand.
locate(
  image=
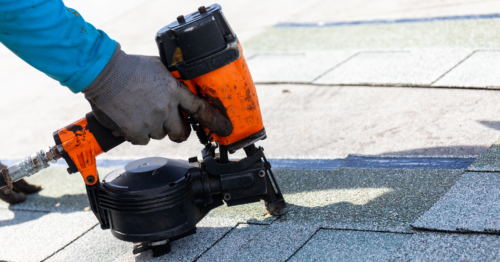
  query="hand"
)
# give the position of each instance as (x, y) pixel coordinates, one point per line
(138, 98)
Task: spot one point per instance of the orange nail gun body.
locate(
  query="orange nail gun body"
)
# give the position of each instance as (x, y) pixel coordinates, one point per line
(202, 51)
(237, 100)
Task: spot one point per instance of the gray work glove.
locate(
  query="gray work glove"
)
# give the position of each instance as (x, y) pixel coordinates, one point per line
(138, 98)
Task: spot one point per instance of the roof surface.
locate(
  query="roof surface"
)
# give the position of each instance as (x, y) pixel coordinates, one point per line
(381, 132)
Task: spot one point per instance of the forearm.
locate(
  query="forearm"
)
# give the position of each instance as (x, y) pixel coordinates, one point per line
(55, 40)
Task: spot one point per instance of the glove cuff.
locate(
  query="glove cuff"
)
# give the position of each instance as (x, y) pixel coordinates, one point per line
(113, 78)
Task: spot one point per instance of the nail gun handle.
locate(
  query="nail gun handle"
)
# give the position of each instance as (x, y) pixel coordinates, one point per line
(81, 142)
(102, 134)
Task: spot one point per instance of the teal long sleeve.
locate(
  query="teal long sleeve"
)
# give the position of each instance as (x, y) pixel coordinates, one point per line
(55, 40)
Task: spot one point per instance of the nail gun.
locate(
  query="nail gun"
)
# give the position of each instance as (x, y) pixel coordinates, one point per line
(154, 201)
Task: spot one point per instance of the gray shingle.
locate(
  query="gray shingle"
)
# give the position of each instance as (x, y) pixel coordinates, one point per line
(472, 205)
(414, 67)
(59, 187)
(293, 67)
(368, 199)
(441, 34)
(343, 245)
(449, 247)
(275, 242)
(229, 247)
(479, 70)
(33, 236)
(488, 160)
(100, 245)
(254, 213)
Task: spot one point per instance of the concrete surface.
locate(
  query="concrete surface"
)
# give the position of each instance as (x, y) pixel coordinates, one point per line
(343, 245)
(472, 205)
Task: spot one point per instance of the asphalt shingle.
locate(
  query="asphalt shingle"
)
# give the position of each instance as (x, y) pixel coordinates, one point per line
(479, 70)
(34, 236)
(100, 245)
(357, 198)
(229, 246)
(302, 67)
(95, 245)
(366, 199)
(254, 213)
(488, 160)
(413, 67)
(275, 242)
(61, 192)
(343, 245)
(472, 205)
(438, 34)
(449, 247)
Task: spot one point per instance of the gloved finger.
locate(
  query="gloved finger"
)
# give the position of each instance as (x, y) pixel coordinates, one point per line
(138, 140)
(177, 128)
(158, 134)
(201, 111)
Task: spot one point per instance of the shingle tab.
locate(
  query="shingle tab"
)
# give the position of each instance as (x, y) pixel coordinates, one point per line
(343, 245)
(479, 70)
(294, 67)
(34, 236)
(367, 199)
(229, 246)
(100, 245)
(275, 242)
(449, 247)
(413, 67)
(472, 205)
(488, 160)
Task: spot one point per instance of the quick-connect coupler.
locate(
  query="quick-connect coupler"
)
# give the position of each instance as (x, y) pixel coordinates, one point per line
(29, 166)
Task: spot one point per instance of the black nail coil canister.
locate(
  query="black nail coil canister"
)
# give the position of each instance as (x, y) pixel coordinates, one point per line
(149, 200)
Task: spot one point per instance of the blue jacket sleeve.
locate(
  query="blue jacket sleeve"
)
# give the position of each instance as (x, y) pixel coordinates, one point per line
(55, 40)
